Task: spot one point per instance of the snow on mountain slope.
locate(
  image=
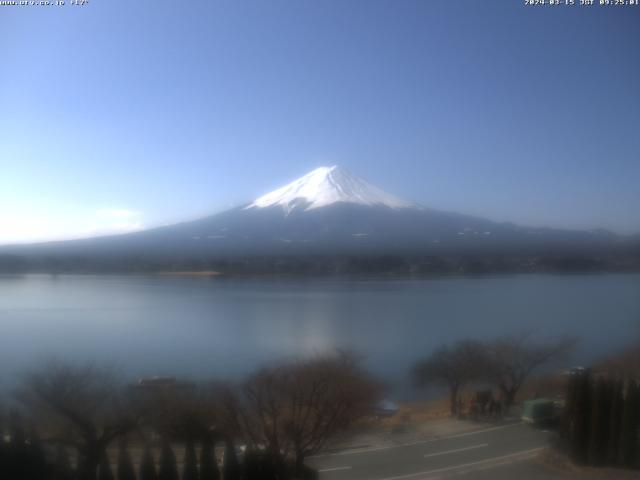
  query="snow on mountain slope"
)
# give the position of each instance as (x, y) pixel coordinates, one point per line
(325, 186)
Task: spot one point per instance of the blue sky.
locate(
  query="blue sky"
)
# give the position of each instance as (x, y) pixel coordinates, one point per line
(120, 115)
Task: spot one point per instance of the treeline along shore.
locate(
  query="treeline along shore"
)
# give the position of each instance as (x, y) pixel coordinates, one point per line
(325, 264)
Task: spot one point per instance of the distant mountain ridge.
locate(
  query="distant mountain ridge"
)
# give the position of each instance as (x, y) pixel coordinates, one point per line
(328, 212)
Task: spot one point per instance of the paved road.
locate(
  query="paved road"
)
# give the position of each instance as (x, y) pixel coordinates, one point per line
(491, 447)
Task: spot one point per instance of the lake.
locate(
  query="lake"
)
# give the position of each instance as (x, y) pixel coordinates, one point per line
(225, 327)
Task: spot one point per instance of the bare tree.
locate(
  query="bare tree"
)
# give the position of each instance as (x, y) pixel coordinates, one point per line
(327, 395)
(79, 406)
(625, 363)
(453, 366)
(294, 409)
(188, 411)
(512, 359)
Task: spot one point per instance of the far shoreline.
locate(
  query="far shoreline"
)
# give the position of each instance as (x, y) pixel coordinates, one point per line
(358, 276)
(188, 273)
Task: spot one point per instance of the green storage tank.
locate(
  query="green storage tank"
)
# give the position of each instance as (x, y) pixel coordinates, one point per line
(538, 410)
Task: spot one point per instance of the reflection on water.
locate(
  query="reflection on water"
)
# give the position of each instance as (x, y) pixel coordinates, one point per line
(225, 327)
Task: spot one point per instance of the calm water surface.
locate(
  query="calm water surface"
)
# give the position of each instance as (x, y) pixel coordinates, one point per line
(218, 327)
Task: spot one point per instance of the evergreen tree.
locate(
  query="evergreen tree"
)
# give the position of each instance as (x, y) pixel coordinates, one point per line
(168, 467)
(615, 422)
(17, 450)
(3, 457)
(38, 461)
(125, 465)
(253, 467)
(599, 427)
(629, 430)
(62, 466)
(569, 409)
(263, 466)
(582, 417)
(82, 471)
(148, 465)
(104, 468)
(190, 466)
(208, 463)
(230, 467)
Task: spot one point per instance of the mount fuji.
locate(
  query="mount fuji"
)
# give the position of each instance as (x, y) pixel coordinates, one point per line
(326, 186)
(329, 211)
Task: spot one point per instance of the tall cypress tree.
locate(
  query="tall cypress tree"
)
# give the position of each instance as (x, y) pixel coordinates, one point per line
(3, 455)
(168, 467)
(208, 463)
(253, 466)
(615, 422)
(190, 465)
(629, 430)
(230, 467)
(104, 468)
(17, 450)
(38, 462)
(148, 465)
(62, 466)
(568, 418)
(599, 423)
(582, 417)
(125, 465)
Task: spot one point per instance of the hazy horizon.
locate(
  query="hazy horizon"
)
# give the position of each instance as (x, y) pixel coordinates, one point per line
(125, 217)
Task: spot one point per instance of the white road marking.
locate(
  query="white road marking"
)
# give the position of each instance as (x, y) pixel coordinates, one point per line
(420, 442)
(334, 469)
(466, 434)
(447, 452)
(497, 460)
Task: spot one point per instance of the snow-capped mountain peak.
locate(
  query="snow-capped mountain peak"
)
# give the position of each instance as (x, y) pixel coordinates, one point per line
(325, 186)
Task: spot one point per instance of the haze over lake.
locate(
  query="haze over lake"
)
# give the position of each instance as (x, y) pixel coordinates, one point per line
(225, 327)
